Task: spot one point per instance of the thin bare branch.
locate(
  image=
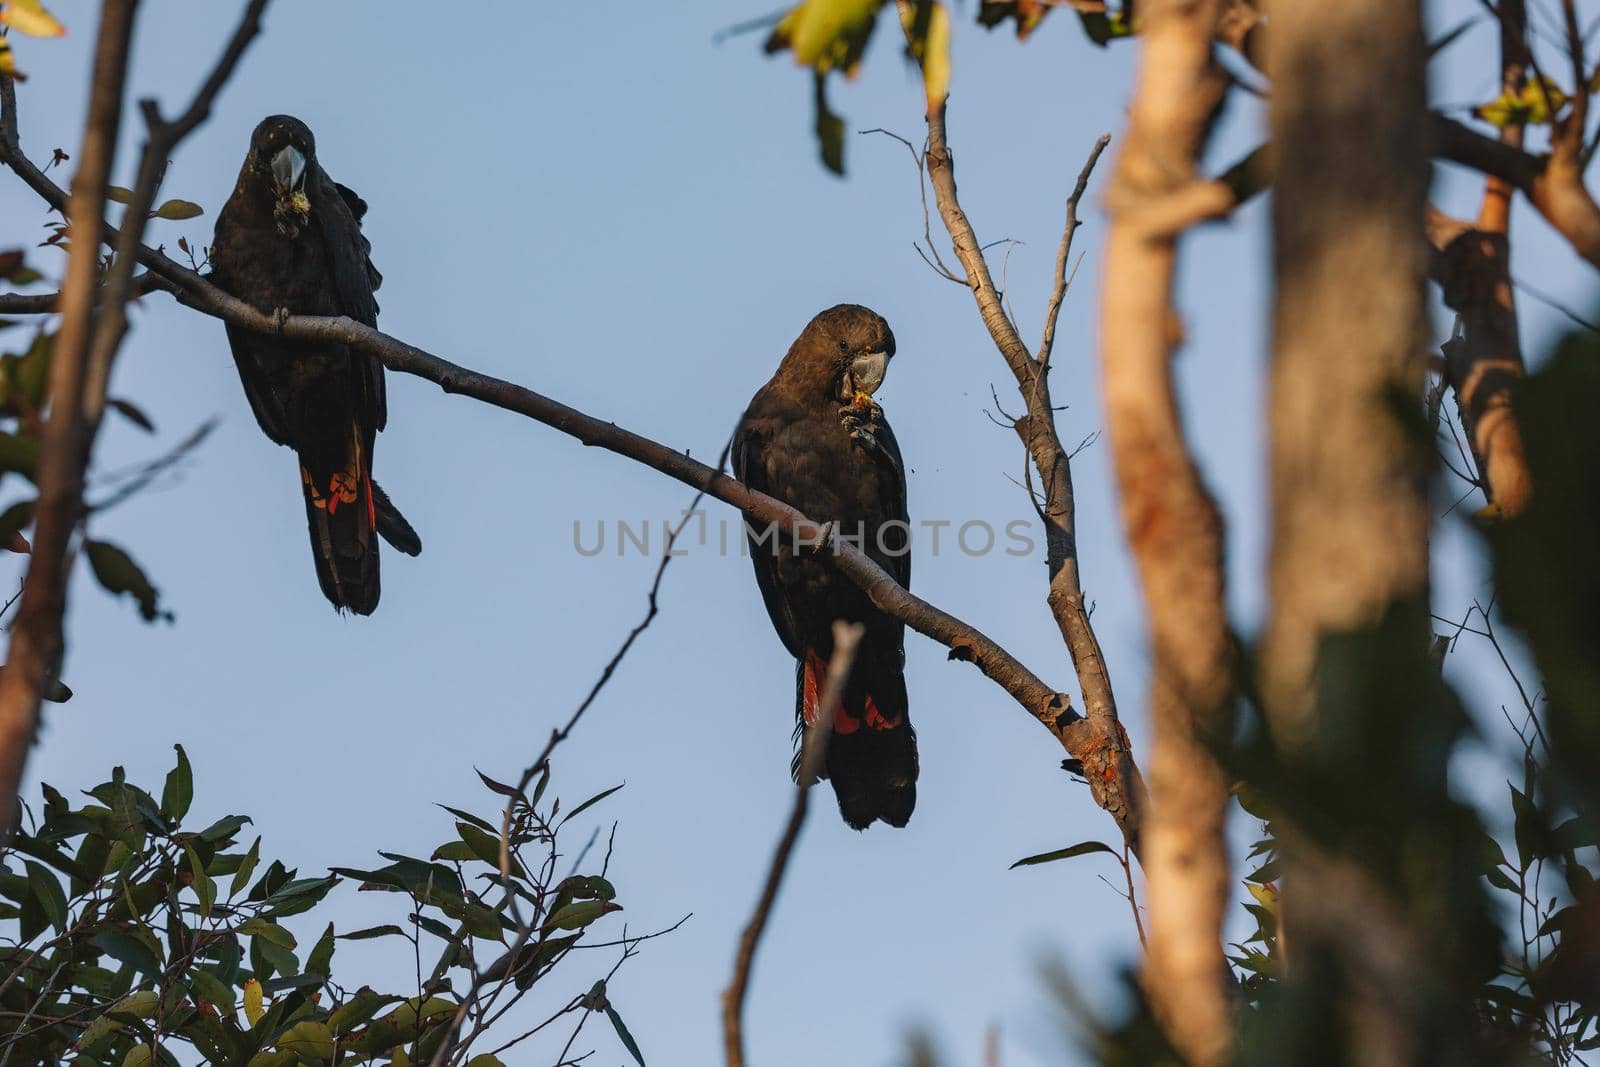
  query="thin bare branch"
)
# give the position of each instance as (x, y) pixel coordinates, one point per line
(846, 636)
(1110, 771)
(1058, 292)
(936, 262)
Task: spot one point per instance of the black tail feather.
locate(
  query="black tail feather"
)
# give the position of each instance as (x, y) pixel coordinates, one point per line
(343, 548)
(872, 751)
(392, 525)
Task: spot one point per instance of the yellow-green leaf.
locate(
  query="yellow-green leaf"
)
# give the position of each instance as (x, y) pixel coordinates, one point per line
(826, 34)
(253, 1008)
(178, 210)
(927, 27)
(118, 194)
(8, 62)
(1266, 896)
(1535, 104)
(30, 17)
(138, 1056)
(309, 1040)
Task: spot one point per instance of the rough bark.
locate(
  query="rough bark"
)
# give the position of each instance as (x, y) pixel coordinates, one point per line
(34, 655)
(1349, 506)
(1172, 524)
(1349, 477)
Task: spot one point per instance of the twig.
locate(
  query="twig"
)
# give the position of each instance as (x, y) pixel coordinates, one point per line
(927, 225)
(846, 636)
(526, 929)
(1111, 774)
(50, 303)
(1059, 291)
(152, 470)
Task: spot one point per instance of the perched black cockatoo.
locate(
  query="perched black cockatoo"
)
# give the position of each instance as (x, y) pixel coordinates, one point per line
(289, 241)
(814, 438)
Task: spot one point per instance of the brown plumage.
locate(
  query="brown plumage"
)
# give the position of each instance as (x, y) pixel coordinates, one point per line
(814, 438)
(289, 241)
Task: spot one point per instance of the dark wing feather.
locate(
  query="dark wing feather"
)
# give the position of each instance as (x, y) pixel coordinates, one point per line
(266, 404)
(354, 280)
(892, 473)
(749, 466)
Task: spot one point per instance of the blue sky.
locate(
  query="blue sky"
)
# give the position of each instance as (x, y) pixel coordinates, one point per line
(596, 201)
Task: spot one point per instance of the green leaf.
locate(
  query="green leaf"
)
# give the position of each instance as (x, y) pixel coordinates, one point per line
(47, 891)
(587, 804)
(224, 829)
(577, 915)
(829, 129)
(128, 410)
(319, 962)
(178, 210)
(826, 34)
(310, 1040)
(178, 792)
(118, 195)
(247, 867)
(205, 890)
(138, 1056)
(213, 990)
(1084, 848)
(622, 1034)
(499, 787)
(119, 574)
(1527, 828)
(268, 931)
(927, 29)
(13, 520)
(372, 932)
(455, 851)
(20, 453)
(485, 847)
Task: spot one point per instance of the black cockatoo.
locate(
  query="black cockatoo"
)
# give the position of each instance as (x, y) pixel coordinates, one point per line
(814, 438)
(289, 241)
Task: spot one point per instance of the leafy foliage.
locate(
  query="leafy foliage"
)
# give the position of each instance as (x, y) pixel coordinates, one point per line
(126, 936)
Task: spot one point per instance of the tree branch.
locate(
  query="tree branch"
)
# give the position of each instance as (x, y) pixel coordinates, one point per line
(84, 350)
(35, 652)
(50, 303)
(1082, 741)
(1173, 526)
(846, 636)
(1472, 264)
(1107, 764)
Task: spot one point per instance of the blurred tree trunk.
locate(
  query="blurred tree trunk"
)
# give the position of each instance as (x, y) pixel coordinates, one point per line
(1349, 475)
(1173, 526)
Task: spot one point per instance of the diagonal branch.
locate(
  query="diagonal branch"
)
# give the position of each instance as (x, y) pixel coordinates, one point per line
(1048, 706)
(846, 636)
